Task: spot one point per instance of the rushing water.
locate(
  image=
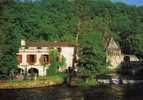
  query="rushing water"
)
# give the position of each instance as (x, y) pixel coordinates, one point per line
(102, 92)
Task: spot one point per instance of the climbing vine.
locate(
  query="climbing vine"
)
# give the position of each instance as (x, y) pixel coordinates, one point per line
(54, 65)
(62, 62)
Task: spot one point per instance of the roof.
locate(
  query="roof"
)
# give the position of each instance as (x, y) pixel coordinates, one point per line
(48, 44)
(112, 45)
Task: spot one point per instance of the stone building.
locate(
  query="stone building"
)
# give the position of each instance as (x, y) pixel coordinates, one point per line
(31, 53)
(114, 56)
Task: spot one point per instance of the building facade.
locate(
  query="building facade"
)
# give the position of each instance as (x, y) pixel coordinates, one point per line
(35, 56)
(114, 56)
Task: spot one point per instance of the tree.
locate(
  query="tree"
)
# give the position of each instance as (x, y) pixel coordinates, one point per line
(9, 43)
(136, 43)
(92, 58)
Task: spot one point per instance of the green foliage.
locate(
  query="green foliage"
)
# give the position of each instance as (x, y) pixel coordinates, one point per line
(9, 43)
(92, 55)
(87, 83)
(63, 62)
(53, 68)
(136, 43)
(54, 77)
(54, 65)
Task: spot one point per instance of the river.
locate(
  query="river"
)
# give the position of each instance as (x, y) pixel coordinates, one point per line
(100, 92)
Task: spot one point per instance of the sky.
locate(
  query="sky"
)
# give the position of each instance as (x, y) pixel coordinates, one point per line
(27, 0)
(130, 2)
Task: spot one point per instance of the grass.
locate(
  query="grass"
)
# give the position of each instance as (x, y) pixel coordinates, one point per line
(87, 83)
(59, 77)
(19, 81)
(53, 77)
(39, 82)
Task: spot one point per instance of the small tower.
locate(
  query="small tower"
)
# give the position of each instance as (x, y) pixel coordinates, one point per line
(23, 43)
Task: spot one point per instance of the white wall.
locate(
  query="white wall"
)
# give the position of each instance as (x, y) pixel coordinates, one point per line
(116, 60)
(67, 52)
(40, 68)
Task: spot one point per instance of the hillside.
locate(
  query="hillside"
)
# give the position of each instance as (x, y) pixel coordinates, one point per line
(61, 20)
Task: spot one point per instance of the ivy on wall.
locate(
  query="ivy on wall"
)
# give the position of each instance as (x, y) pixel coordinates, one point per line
(62, 62)
(54, 65)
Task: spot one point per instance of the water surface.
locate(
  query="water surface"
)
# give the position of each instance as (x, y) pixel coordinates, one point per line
(101, 92)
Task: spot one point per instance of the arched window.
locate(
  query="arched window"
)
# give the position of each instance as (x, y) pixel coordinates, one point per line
(33, 71)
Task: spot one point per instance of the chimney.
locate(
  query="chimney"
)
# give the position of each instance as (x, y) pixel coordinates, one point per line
(23, 43)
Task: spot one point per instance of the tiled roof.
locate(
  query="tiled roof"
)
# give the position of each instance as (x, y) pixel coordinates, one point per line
(48, 44)
(112, 45)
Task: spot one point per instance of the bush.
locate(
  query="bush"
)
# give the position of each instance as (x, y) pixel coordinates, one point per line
(91, 82)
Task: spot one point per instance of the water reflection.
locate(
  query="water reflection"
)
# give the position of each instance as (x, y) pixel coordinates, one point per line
(102, 92)
(133, 92)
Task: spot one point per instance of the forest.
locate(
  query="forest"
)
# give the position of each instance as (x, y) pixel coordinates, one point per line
(62, 20)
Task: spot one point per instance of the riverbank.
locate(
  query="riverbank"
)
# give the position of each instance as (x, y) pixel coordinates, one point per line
(17, 84)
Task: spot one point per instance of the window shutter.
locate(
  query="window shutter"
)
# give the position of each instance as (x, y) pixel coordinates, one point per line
(19, 58)
(58, 59)
(49, 59)
(28, 59)
(35, 57)
(41, 59)
(45, 59)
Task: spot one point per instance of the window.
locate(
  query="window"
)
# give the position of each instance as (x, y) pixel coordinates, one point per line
(45, 59)
(58, 59)
(31, 59)
(38, 47)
